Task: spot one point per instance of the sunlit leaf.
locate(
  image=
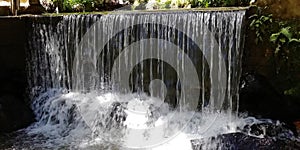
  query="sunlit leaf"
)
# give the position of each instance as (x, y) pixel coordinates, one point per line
(253, 16)
(295, 40)
(286, 32)
(277, 49)
(273, 37)
(282, 40)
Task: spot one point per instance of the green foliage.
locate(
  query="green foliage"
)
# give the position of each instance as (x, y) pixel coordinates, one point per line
(286, 43)
(165, 4)
(75, 5)
(162, 4)
(227, 3)
(91, 5)
(202, 3)
(260, 24)
(221, 3)
(283, 37)
(294, 91)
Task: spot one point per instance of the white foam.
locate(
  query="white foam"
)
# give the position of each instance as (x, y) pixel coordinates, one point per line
(84, 120)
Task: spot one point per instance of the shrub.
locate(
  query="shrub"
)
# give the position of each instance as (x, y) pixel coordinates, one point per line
(283, 38)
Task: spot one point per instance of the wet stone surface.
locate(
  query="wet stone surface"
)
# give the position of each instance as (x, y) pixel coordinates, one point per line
(235, 141)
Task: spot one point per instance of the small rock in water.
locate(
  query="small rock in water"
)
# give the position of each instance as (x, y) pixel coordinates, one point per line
(118, 113)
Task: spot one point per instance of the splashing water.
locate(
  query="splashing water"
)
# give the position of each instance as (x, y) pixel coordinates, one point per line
(64, 126)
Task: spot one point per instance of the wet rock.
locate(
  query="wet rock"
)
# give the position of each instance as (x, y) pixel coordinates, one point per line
(235, 141)
(268, 128)
(260, 99)
(261, 134)
(117, 113)
(14, 113)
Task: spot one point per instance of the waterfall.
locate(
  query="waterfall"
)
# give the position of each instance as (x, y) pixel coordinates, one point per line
(128, 68)
(50, 48)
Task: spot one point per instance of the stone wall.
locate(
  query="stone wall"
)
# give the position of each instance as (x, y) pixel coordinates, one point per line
(14, 111)
(12, 55)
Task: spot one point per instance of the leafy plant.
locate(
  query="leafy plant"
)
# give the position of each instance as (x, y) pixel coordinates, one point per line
(261, 24)
(286, 43)
(203, 3)
(189, 3)
(90, 5)
(74, 5)
(283, 38)
(294, 91)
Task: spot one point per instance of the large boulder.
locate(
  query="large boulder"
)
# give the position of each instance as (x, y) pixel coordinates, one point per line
(235, 141)
(269, 129)
(263, 134)
(258, 98)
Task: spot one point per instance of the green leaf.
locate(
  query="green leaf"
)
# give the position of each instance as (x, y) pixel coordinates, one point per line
(253, 16)
(260, 38)
(282, 40)
(286, 32)
(264, 18)
(273, 37)
(206, 4)
(295, 40)
(277, 49)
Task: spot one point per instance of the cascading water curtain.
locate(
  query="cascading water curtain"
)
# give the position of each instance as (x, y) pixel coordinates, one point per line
(189, 60)
(50, 50)
(89, 52)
